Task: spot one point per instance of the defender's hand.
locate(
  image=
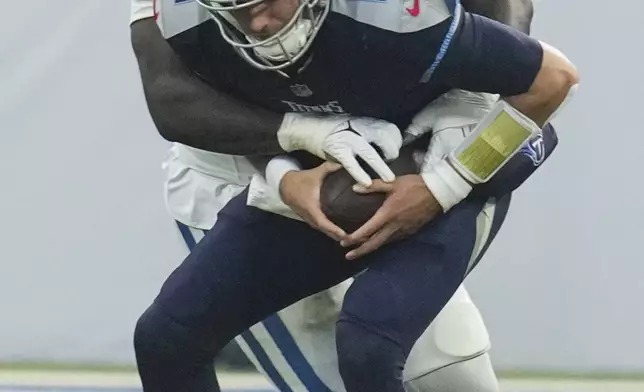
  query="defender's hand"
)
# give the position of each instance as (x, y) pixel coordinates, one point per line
(300, 190)
(409, 205)
(343, 139)
(355, 138)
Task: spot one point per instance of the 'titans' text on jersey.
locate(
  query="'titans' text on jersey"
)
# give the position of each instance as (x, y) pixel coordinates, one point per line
(354, 48)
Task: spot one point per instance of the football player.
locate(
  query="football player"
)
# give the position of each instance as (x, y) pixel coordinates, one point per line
(334, 144)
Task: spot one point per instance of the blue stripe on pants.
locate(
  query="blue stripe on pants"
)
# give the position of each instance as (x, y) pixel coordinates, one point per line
(188, 238)
(293, 355)
(265, 362)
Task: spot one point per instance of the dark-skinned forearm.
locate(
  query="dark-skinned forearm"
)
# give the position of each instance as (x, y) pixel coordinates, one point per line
(187, 110)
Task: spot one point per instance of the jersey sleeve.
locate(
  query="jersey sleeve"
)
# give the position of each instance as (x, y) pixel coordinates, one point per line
(141, 9)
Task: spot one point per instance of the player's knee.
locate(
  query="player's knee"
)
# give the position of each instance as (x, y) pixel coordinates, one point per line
(554, 83)
(170, 355)
(161, 341)
(367, 358)
(148, 336)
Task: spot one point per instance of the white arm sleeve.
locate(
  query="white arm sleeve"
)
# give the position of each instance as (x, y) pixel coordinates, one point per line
(141, 9)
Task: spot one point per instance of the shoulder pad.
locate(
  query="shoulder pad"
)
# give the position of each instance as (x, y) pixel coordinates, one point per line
(400, 16)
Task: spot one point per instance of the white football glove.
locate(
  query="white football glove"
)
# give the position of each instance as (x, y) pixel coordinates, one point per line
(451, 118)
(343, 138)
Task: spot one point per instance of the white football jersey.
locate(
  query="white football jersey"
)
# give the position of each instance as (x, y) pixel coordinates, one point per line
(199, 183)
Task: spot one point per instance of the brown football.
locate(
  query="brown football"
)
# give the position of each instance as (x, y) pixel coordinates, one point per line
(350, 210)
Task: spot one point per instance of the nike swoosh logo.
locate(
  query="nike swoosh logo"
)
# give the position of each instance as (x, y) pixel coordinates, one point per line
(415, 10)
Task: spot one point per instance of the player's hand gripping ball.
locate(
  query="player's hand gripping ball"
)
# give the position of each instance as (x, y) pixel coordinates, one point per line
(350, 210)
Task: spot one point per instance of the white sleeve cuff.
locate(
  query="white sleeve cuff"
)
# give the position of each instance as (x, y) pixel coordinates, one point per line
(277, 168)
(447, 186)
(264, 197)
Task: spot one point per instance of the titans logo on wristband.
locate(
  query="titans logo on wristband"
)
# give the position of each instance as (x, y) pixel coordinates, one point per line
(535, 149)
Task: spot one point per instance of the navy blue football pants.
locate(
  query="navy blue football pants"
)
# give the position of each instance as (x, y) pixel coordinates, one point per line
(253, 263)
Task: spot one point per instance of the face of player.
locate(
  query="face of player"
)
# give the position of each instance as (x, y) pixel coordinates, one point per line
(266, 18)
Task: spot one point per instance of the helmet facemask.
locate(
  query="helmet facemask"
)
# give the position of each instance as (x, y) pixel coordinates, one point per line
(279, 50)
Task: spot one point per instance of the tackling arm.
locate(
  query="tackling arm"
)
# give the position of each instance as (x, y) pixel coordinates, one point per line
(187, 110)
